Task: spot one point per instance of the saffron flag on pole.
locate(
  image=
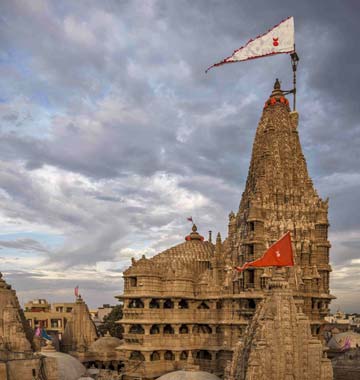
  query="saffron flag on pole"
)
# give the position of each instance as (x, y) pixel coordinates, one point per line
(278, 40)
(280, 254)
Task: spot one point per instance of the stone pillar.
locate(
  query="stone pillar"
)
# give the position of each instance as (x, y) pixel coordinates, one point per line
(147, 329)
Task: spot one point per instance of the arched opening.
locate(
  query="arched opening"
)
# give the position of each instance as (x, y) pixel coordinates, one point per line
(252, 304)
(183, 329)
(136, 303)
(111, 367)
(136, 329)
(155, 356)
(154, 329)
(183, 304)
(184, 355)
(169, 355)
(154, 304)
(202, 329)
(203, 354)
(168, 304)
(219, 329)
(203, 305)
(219, 304)
(168, 329)
(137, 355)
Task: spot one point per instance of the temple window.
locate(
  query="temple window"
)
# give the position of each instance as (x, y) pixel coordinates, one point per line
(203, 329)
(136, 304)
(168, 304)
(263, 281)
(251, 278)
(184, 329)
(137, 355)
(252, 304)
(154, 356)
(219, 305)
(155, 330)
(183, 304)
(252, 226)
(169, 355)
(203, 305)
(136, 329)
(133, 281)
(168, 329)
(184, 355)
(203, 354)
(251, 249)
(154, 304)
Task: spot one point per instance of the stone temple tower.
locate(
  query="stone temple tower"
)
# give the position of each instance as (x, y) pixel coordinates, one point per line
(278, 344)
(279, 196)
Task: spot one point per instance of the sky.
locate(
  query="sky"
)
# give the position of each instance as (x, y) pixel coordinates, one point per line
(112, 134)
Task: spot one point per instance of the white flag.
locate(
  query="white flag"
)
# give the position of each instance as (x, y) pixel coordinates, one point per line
(280, 39)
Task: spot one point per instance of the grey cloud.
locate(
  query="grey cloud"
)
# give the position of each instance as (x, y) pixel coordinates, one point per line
(24, 244)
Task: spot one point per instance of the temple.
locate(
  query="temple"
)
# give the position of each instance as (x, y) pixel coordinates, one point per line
(278, 343)
(186, 308)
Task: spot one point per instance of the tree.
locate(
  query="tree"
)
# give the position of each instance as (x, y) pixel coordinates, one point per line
(109, 324)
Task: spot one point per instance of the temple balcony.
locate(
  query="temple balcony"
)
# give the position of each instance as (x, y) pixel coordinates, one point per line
(175, 316)
(179, 342)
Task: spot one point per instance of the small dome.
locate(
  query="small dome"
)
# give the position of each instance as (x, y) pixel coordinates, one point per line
(188, 375)
(344, 341)
(69, 367)
(105, 344)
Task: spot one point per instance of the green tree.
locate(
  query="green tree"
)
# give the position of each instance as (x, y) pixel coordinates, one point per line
(109, 323)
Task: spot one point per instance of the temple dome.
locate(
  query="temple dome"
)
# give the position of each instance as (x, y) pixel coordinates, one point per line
(69, 367)
(188, 375)
(105, 344)
(350, 339)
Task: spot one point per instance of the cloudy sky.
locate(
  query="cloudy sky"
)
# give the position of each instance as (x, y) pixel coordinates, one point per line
(112, 134)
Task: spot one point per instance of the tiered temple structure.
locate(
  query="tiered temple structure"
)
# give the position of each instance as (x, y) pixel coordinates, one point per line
(185, 306)
(80, 331)
(278, 343)
(17, 357)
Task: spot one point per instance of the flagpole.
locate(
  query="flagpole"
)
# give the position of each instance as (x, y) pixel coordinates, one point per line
(294, 63)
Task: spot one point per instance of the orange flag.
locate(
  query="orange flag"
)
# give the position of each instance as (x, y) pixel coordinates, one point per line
(280, 254)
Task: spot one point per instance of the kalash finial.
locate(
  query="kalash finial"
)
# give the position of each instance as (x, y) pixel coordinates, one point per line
(194, 235)
(277, 96)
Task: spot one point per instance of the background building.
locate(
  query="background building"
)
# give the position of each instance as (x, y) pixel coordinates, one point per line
(52, 317)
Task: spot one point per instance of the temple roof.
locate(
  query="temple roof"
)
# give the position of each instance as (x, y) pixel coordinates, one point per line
(104, 344)
(178, 258)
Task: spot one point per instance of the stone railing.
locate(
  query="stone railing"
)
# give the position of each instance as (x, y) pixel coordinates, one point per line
(191, 341)
(176, 316)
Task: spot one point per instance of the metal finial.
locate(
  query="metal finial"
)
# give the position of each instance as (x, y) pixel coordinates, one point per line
(277, 85)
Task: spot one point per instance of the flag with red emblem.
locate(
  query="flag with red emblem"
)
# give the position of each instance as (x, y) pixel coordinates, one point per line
(280, 254)
(278, 40)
